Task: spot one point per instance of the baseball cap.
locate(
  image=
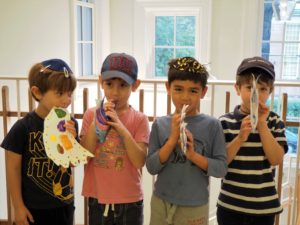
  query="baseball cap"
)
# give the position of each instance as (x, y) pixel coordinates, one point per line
(120, 65)
(56, 65)
(257, 62)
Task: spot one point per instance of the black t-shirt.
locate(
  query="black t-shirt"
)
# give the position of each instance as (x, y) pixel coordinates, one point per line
(44, 184)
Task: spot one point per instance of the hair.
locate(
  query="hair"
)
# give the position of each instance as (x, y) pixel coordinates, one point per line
(260, 75)
(187, 68)
(46, 79)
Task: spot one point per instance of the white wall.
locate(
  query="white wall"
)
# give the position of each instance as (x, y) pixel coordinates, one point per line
(33, 30)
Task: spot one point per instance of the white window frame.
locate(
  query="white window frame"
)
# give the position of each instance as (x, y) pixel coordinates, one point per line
(145, 12)
(174, 13)
(76, 41)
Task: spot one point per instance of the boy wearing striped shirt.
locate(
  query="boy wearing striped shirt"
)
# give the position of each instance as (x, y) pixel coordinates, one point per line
(248, 194)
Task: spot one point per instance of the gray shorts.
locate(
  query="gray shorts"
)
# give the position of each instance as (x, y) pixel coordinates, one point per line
(164, 213)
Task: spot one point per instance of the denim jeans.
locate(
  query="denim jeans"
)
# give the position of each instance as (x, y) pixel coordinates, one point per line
(226, 217)
(118, 214)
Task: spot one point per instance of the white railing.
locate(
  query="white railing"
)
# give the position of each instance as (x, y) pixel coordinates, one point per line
(155, 104)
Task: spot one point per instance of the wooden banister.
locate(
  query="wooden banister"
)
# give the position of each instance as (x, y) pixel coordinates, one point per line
(5, 116)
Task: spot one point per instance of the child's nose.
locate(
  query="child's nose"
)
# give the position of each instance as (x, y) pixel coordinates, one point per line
(67, 100)
(115, 91)
(185, 95)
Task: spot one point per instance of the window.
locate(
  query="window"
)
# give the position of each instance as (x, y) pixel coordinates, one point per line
(281, 45)
(174, 37)
(85, 41)
(281, 37)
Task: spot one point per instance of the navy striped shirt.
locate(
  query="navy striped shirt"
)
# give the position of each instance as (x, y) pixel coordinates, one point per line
(249, 185)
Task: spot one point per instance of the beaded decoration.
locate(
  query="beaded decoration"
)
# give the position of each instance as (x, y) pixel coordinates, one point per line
(188, 64)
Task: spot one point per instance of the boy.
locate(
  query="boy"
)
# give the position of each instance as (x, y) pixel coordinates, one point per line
(41, 191)
(180, 194)
(112, 179)
(248, 194)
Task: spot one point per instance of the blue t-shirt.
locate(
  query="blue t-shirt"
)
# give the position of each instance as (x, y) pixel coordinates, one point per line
(179, 181)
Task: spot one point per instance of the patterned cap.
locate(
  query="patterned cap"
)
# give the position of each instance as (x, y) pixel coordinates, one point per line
(120, 65)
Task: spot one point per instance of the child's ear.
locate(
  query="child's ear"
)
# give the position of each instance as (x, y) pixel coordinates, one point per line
(168, 87)
(100, 80)
(237, 89)
(36, 93)
(135, 85)
(204, 90)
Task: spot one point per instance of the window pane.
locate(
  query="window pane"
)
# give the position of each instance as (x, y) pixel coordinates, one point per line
(291, 134)
(290, 67)
(276, 49)
(277, 31)
(185, 30)
(87, 24)
(277, 61)
(292, 32)
(182, 52)
(164, 30)
(162, 57)
(79, 60)
(79, 23)
(87, 53)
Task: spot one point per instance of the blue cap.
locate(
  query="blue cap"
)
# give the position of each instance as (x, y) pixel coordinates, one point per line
(56, 65)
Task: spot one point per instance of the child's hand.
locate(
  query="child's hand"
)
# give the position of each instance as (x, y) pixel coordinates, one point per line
(175, 128)
(22, 215)
(245, 129)
(114, 121)
(109, 106)
(263, 113)
(70, 127)
(190, 151)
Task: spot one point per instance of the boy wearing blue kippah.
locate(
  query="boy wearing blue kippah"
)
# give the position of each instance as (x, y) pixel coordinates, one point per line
(41, 191)
(248, 193)
(183, 166)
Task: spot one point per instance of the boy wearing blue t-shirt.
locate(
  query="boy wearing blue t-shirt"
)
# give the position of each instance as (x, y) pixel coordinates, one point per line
(181, 190)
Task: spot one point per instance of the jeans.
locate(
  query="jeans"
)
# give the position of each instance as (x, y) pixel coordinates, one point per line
(226, 217)
(118, 214)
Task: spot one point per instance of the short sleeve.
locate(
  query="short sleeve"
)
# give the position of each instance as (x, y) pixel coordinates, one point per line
(86, 121)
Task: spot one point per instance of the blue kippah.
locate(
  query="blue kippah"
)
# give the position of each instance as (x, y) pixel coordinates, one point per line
(56, 65)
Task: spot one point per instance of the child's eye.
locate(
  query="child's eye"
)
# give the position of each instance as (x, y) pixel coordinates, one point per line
(124, 84)
(195, 91)
(59, 93)
(107, 83)
(263, 89)
(178, 89)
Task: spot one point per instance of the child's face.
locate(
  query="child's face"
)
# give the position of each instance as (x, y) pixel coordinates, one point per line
(118, 91)
(244, 91)
(186, 92)
(52, 98)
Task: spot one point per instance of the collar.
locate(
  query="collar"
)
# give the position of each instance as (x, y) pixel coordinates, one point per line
(238, 115)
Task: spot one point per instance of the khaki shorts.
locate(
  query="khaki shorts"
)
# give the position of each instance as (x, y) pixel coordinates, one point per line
(164, 213)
